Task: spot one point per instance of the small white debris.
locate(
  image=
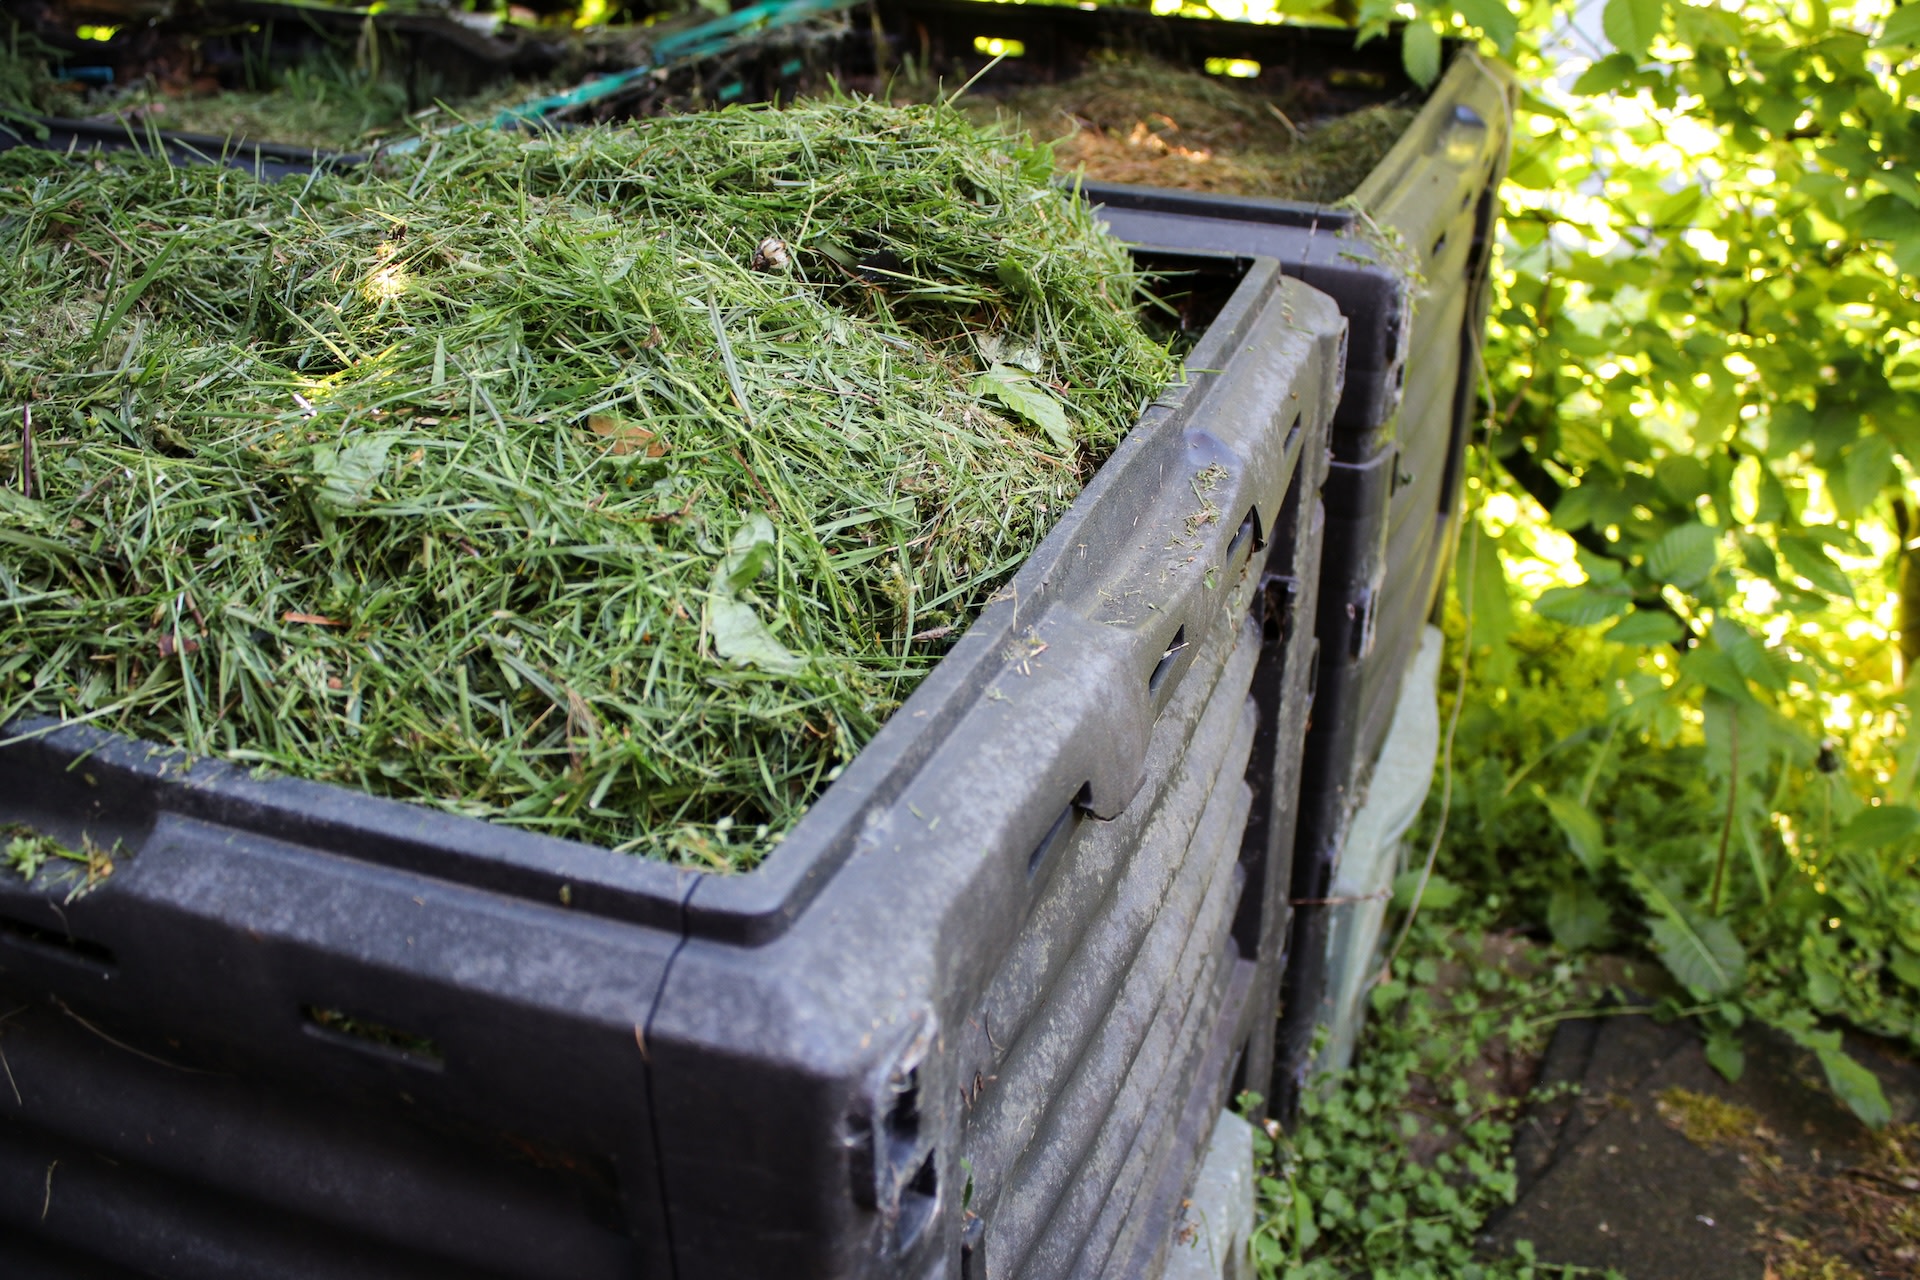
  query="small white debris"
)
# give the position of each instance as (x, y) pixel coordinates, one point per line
(770, 254)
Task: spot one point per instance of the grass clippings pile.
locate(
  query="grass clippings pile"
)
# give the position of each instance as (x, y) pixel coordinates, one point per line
(616, 484)
(1135, 120)
(324, 105)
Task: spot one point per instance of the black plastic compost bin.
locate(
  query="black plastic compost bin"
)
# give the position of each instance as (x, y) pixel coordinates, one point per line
(975, 1017)
(1407, 262)
(1405, 258)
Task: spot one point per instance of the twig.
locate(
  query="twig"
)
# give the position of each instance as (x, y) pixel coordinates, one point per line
(1340, 902)
(161, 1062)
(1284, 119)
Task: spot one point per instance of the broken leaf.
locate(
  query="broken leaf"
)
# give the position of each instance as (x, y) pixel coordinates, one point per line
(742, 639)
(626, 438)
(749, 552)
(347, 472)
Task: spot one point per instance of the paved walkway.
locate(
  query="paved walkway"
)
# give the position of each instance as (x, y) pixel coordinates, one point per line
(1776, 1166)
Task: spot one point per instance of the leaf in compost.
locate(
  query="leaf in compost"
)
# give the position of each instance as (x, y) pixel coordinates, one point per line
(998, 348)
(1702, 952)
(742, 639)
(1579, 918)
(749, 552)
(1025, 397)
(625, 438)
(348, 471)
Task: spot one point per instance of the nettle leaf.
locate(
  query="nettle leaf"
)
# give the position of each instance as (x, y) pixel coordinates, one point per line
(1879, 826)
(1581, 828)
(1701, 952)
(1685, 555)
(1632, 24)
(1739, 726)
(1582, 606)
(1645, 627)
(1810, 559)
(1579, 917)
(1029, 400)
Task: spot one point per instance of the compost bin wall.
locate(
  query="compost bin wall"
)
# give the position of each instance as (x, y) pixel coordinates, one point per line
(1410, 274)
(299, 1031)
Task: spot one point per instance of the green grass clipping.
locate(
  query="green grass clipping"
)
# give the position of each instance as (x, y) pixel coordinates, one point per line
(614, 483)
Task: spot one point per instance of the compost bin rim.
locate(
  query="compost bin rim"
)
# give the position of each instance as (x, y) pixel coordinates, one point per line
(593, 879)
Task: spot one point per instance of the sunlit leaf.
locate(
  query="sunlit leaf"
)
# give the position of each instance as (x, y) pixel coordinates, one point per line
(1684, 555)
(1632, 24)
(1645, 627)
(1582, 606)
(1902, 29)
(1494, 18)
(1811, 561)
(1420, 52)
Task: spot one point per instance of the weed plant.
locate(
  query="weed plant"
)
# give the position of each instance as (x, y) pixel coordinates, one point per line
(1395, 1165)
(1597, 808)
(616, 484)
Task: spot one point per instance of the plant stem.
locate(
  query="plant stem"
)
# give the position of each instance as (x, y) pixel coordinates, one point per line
(1733, 791)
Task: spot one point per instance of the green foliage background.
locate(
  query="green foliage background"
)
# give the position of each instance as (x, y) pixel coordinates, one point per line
(1689, 590)
(1704, 384)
